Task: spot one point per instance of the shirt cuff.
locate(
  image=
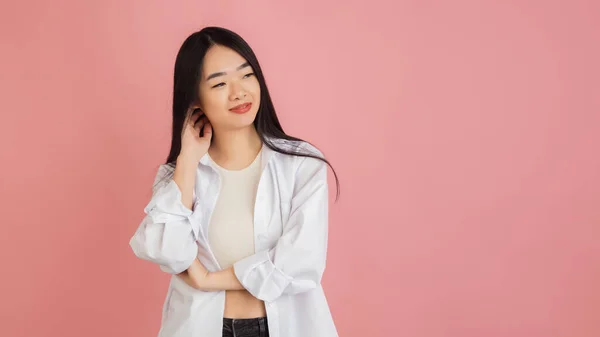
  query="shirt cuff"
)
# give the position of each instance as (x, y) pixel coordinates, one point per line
(261, 277)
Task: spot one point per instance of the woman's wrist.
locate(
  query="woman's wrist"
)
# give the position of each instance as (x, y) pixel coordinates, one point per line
(186, 160)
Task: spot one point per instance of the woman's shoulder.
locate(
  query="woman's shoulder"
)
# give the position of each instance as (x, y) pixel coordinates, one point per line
(303, 164)
(165, 170)
(163, 175)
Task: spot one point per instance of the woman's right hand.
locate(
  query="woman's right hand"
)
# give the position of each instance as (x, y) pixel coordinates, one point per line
(193, 147)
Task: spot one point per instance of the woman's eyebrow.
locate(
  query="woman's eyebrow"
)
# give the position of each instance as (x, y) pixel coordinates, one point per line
(221, 73)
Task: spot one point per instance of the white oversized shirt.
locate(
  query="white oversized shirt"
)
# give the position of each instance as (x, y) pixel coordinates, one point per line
(290, 233)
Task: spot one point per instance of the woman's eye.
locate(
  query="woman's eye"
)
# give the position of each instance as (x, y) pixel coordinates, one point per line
(248, 75)
(218, 85)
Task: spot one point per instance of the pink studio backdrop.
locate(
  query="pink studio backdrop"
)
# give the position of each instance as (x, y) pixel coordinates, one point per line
(465, 134)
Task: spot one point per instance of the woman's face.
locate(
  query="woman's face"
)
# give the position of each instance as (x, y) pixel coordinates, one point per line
(229, 90)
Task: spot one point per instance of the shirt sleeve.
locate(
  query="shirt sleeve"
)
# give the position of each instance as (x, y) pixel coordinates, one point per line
(297, 262)
(166, 235)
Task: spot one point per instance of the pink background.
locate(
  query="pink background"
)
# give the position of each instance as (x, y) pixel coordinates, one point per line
(465, 134)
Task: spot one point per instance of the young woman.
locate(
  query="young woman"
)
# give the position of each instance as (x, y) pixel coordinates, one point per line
(239, 211)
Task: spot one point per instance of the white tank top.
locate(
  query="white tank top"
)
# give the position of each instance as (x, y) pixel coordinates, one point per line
(231, 228)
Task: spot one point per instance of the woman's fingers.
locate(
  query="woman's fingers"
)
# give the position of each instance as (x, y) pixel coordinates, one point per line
(199, 123)
(197, 117)
(207, 131)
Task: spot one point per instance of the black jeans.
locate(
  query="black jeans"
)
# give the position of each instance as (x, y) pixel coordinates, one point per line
(245, 327)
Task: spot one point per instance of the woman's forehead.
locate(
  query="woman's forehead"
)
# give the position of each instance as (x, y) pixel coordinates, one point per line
(221, 59)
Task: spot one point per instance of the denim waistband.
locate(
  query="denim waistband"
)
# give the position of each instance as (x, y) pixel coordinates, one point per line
(227, 319)
(241, 327)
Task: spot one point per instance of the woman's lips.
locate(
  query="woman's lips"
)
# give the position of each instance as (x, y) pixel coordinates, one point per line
(242, 108)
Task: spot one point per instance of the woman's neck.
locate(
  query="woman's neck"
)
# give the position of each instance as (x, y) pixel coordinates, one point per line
(235, 149)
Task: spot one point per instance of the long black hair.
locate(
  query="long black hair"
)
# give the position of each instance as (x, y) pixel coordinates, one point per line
(188, 67)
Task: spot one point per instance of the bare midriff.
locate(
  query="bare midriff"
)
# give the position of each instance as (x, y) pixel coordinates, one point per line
(241, 304)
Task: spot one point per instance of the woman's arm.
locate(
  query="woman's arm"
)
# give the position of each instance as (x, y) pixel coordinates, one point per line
(167, 236)
(185, 178)
(200, 278)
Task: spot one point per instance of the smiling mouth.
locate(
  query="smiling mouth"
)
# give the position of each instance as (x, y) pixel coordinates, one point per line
(242, 108)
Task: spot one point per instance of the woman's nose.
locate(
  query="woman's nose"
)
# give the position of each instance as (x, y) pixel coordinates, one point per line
(237, 92)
